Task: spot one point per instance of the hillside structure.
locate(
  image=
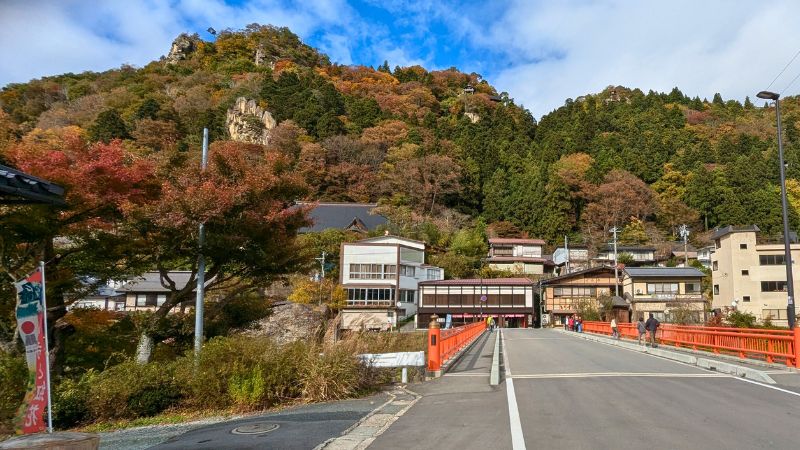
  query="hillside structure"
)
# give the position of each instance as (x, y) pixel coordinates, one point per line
(358, 217)
(568, 294)
(748, 273)
(521, 256)
(670, 293)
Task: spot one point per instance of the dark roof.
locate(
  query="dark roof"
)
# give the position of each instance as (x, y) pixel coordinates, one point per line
(480, 282)
(628, 248)
(663, 272)
(17, 187)
(580, 272)
(516, 241)
(342, 216)
(618, 301)
(719, 232)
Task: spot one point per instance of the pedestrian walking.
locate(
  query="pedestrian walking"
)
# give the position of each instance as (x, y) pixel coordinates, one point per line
(652, 327)
(566, 323)
(641, 329)
(571, 323)
(580, 324)
(490, 323)
(614, 330)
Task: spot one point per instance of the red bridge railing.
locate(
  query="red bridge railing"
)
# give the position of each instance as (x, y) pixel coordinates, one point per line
(753, 343)
(444, 344)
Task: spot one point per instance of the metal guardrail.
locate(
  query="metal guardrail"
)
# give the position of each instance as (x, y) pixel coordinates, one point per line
(752, 343)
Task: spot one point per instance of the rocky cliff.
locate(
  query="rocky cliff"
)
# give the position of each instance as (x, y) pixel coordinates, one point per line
(248, 122)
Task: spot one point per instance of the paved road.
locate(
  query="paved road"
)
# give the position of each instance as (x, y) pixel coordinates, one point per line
(566, 392)
(299, 428)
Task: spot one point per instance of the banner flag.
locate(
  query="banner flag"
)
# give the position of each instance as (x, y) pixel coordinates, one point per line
(31, 323)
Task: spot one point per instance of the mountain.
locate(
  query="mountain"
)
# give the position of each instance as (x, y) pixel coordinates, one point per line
(434, 152)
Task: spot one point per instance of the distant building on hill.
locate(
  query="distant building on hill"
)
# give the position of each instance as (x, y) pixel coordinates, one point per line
(519, 256)
(358, 217)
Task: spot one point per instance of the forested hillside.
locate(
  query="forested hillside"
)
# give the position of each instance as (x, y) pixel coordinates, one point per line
(646, 161)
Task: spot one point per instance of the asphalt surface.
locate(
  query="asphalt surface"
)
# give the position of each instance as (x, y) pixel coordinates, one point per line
(303, 428)
(572, 393)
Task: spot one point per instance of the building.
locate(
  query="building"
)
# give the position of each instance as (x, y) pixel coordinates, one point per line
(568, 294)
(641, 256)
(522, 256)
(146, 293)
(381, 277)
(704, 256)
(671, 294)
(104, 297)
(572, 259)
(748, 272)
(358, 217)
(509, 300)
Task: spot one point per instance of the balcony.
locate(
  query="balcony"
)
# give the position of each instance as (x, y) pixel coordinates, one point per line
(668, 297)
(371, 303)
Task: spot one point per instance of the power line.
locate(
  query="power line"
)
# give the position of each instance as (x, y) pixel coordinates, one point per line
(784, 70)
(791, 83)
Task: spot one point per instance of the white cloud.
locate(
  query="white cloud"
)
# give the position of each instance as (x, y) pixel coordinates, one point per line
(564, 50)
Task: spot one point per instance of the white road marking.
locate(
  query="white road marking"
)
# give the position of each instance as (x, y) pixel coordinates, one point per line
(768, 386)
(517, 439)
(620, 374)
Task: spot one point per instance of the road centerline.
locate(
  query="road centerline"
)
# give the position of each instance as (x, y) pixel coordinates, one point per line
(517, 438)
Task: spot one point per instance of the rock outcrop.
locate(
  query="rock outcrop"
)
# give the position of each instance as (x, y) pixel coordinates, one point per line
(292, 322)
(248, 122)
(182, 47)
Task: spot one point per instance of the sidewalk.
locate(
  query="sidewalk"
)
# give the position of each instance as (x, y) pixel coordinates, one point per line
(457, 411)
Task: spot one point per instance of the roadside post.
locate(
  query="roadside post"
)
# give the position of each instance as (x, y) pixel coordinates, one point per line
(434, 347)
(796, 331)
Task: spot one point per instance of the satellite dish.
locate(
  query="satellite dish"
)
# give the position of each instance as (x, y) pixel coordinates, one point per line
(399, 303)
(734, 303)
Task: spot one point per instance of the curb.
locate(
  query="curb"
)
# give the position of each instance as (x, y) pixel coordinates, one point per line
(494, 377)
(361, 434)
(705, 363)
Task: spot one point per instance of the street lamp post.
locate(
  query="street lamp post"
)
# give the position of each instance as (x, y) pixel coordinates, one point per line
(787, 248)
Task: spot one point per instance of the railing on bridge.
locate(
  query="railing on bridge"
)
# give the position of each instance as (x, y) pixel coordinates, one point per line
(444, 344)
(753, 343)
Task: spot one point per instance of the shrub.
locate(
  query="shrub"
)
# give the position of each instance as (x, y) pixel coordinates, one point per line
(739, 319)
(247, 387)
(130, 390)
(333, 375)
(70, 401)
(14, 376)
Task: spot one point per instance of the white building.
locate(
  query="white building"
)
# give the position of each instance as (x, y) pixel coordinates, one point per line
(520, 256)
(381, 277)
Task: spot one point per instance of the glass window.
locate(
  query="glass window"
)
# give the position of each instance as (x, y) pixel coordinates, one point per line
(161, 299)
(662, 288)
(692, 288)
(743, 246)
(773, 286)
(716, 289)
(407, 271)
(714, 265)
(746, 298)
(745, 272)
(771, 260)
(141, 300)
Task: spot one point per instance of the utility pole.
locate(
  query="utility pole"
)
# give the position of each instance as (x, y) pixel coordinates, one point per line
(322, 264)
(201, 267)
(684, 232)
(615, 230)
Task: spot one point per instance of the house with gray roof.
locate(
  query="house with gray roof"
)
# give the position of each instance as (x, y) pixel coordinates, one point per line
(671, 294)
(358, 217)
(147, 293)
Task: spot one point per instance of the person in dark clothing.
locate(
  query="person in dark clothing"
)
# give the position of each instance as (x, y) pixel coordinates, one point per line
(652, 326)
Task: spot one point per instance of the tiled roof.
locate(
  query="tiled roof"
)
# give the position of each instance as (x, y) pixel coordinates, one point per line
(663, 272)
(516, 241)
(479, 282)
(517, 258)
(151, 282)
(19, 187)
(578, 273)
(341, 216)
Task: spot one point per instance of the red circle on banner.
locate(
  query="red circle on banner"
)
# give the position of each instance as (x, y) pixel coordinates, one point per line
(28, 327)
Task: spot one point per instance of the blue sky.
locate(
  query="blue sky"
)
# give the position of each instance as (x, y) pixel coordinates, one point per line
(541, 52)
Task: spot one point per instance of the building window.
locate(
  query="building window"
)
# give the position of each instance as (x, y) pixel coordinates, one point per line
(714, 265)
(503, 251)
(716, 289)
(745, 272)
(574, 291)
(433, 274)
(771, 260)
(773, 286)
(407, 296)
(662, 288)
(149, 299)
(407, 271)
(372, 271)
(366, 296)
(743, 246)
(161, 299)
(692, 288)
(746, 298)
(716, 243)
